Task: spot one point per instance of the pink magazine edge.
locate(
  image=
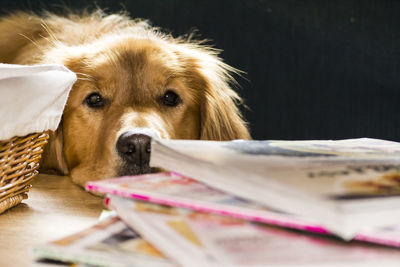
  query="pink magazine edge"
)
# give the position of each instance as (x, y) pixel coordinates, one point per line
(99, 186)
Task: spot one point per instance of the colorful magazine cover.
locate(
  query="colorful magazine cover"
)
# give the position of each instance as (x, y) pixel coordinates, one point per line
(108, 243)
(193, 238)
(173, 189)
(349, 186)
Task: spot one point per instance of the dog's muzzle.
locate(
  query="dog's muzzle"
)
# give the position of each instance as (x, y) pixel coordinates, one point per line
(134, 150)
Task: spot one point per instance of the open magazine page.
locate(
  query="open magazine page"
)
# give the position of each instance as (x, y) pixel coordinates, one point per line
(226, 241)
(320, 184)
(165, 228)
(173, 189)
(108, 243)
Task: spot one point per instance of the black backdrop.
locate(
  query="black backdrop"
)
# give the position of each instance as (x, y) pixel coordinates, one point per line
(315, 69)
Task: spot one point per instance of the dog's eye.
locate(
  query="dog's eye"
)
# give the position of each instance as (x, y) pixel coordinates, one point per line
(95, 100)
(171, 99)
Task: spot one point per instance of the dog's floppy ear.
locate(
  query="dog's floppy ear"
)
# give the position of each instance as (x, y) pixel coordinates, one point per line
(220, 116)
(53, 154)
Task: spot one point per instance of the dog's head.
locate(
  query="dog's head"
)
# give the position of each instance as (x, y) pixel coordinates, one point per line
(134, 84)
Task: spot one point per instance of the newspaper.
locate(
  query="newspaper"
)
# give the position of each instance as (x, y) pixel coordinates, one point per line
(349, 186)
(108, 243)
(173, 189)
(201, 239)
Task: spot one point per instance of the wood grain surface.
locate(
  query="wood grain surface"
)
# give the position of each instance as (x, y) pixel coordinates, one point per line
(55, 208)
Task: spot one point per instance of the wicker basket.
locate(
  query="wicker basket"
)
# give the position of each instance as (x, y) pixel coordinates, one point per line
(19, 164)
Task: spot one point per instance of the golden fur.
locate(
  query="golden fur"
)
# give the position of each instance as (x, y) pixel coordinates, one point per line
(131, 64)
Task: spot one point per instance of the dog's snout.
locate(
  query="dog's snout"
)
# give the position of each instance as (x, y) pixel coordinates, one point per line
(135, 150)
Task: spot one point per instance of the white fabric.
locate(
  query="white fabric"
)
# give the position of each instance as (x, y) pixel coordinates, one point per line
(32, 98)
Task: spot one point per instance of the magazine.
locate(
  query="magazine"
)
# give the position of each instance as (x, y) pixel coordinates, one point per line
(173, 189)
(349, 186)
(193, 238)
(108, 243)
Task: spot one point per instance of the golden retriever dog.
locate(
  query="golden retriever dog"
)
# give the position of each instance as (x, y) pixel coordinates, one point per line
(134, 83)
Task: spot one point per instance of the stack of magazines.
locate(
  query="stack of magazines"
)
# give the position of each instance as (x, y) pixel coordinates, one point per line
(249, 203)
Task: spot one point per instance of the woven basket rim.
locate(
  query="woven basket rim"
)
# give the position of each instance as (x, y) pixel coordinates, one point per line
(19, 163)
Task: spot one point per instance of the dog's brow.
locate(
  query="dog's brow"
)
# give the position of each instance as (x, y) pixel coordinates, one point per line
(170, 77)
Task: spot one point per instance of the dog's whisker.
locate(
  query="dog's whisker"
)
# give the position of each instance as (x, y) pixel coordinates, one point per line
(86, 77)
(53, 37)
(83, 79)
(32, 41)
(55, 43)
(84, 74)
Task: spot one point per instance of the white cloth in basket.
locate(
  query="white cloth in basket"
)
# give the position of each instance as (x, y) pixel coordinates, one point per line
(32, 98)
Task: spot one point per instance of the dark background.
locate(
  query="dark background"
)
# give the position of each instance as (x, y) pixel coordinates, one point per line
(314, 69)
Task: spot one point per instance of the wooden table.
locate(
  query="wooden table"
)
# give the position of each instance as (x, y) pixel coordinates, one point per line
(55, 208)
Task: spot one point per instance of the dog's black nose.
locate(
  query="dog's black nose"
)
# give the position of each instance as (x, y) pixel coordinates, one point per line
(135, 150)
